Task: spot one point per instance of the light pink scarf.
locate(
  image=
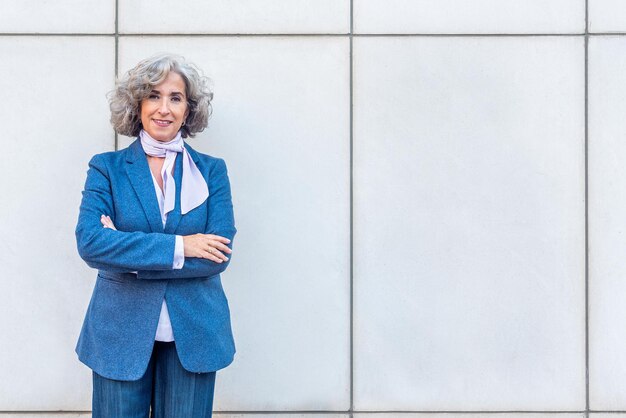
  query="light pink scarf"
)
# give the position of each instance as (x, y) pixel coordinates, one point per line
(194, 190)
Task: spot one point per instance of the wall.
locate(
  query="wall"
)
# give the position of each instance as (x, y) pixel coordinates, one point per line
(429, 198)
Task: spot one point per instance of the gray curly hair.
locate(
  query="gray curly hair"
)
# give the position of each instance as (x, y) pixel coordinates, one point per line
(137, 84)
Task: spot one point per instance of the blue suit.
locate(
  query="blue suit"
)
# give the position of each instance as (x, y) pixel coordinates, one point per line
(118, 333)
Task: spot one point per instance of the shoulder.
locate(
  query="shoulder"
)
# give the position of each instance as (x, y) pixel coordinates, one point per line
(211, 163)
(109, 160)
(109, 163)
(110, 155)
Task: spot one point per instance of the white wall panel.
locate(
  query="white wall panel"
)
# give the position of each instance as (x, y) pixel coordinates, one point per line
(234, 16)
(59, 16)
(607, 222)
(282, 415)
(469, 224)
(221, 415)
(462, 16)
(281, 121)
(56, 117)
(45, 415)
(607, 16)
(88, 415)
(469, 415)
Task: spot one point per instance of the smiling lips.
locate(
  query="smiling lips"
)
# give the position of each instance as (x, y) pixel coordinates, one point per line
(162, 123)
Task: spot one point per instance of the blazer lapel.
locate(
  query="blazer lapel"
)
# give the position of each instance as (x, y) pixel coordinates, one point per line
(139, 174)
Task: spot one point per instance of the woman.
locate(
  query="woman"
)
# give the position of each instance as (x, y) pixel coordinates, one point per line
(156, 220)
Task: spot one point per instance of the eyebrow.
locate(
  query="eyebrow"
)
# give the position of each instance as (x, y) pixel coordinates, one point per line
(173, 93)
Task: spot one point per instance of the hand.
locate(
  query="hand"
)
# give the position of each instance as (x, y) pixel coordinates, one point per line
(209, 246)
(107, 222)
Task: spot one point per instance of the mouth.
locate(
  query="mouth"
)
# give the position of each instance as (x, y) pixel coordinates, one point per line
(162, 123)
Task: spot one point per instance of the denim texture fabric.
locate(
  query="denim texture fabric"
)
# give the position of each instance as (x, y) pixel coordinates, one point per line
(166, 390)
(135, 267)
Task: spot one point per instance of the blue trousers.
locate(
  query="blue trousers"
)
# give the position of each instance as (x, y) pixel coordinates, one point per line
(166, 390)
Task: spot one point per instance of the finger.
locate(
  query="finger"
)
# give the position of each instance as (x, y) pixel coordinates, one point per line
(223, 248)
(110, 223)
(206, 254)
(217, 253)
(219, 238)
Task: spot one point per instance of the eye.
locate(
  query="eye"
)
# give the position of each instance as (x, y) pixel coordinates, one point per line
(153, 96)
(176, 99)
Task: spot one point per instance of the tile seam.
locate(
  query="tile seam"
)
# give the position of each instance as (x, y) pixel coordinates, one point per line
(586, 224)
(307, 35)
(351, 238)
(282, 412)
(117, 43)
(35, 34)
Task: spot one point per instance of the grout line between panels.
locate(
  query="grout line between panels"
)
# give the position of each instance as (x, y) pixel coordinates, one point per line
(351, 134)
(351, 34)
(337, 35)
(607, 33)
(586, 169)
(305, 412)
(35, 34)
(462, 35)
(313, 35)
(117, 49)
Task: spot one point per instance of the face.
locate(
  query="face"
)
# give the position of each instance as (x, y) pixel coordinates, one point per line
(165, 108)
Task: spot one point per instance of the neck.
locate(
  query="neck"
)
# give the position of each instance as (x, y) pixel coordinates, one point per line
(145, 136)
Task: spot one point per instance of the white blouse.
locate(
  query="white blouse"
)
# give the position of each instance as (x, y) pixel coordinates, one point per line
(164, 328)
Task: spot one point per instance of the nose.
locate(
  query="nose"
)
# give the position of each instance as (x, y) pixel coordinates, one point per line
(164, 108)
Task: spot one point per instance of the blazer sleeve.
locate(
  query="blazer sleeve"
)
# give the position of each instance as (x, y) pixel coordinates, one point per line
(220, 221)
(112, 250)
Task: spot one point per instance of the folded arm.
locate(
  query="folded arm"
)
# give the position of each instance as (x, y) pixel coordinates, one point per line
(109, 249)
(151, 254)
(220, 222)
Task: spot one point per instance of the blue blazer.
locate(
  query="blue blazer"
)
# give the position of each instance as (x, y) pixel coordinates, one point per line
(120, 324)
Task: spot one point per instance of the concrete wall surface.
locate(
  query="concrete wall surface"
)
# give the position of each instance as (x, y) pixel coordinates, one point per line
(429, 197)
